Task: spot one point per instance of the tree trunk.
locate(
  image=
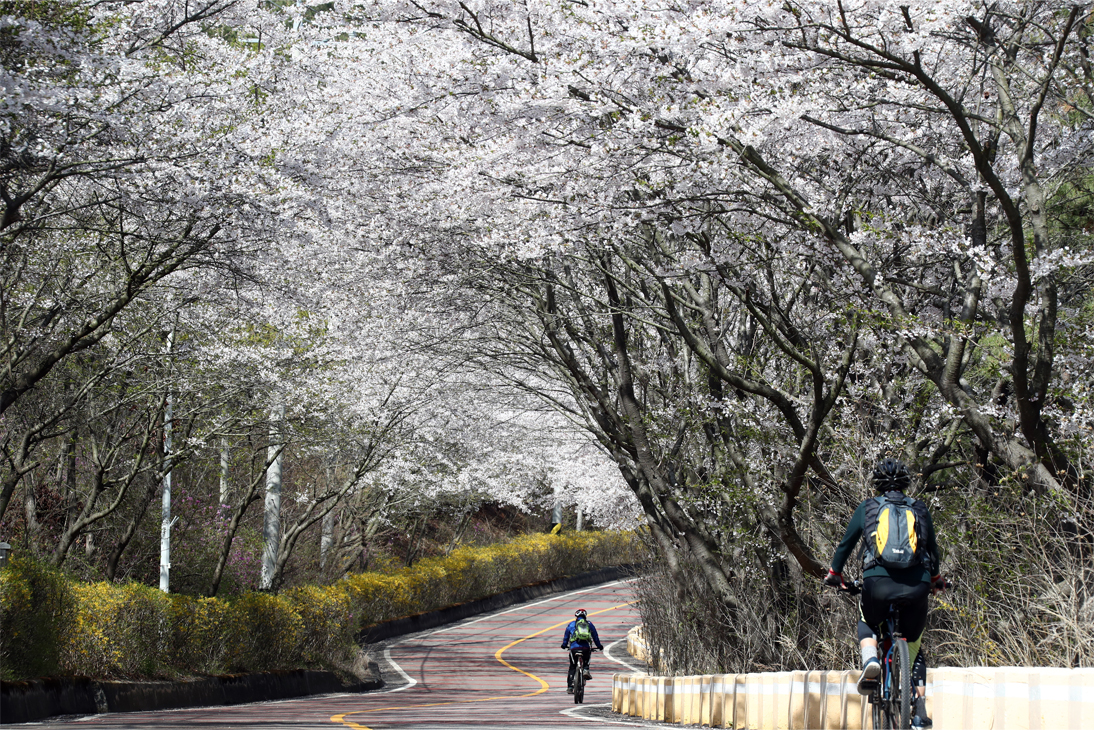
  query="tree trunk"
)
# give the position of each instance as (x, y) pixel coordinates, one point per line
(19, 468)
(223, 498)
(326, 540)
(704, 551)
(30, 509)
(130, 530)
(233, 525)
(271, 522)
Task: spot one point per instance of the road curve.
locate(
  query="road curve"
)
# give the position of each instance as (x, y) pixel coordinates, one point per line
(500, 670)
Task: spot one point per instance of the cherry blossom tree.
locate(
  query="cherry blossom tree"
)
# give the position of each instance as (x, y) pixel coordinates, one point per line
(119, 122)
(818, 220)
(736, 250)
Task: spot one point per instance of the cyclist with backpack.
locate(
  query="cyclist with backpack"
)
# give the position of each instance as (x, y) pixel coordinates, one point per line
(901, 562)
(579, 637)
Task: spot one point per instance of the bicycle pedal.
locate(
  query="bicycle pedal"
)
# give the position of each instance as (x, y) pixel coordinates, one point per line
(867, 686)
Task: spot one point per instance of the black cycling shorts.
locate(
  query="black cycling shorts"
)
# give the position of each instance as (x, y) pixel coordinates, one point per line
(879, 592)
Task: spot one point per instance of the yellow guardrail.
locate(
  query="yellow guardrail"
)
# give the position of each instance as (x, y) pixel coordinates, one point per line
(1003, 698)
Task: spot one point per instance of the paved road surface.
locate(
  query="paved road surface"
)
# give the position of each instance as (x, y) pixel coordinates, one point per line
(502, 670)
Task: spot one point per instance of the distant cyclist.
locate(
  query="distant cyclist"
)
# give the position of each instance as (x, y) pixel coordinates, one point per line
(579, 637)
(901, 563)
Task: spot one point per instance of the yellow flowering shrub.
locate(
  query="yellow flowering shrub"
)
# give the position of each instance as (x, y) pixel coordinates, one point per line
(470, 573)
(36, 604)
(49, 624)
(265, 632)
(326, 615)
(199, 627)
(119, 631)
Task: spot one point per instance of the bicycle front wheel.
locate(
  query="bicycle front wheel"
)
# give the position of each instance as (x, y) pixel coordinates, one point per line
(878, 706)
(900, 698)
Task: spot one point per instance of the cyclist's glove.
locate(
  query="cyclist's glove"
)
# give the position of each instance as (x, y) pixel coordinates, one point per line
(565, 647)
(833, 578)
(938, 583)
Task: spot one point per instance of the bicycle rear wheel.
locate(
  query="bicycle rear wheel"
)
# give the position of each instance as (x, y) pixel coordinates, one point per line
(579, 680)
(900, 692)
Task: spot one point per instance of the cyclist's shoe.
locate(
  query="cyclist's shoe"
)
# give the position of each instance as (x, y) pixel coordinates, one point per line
(867, 681)
(570, 690)
(919, 716)
(588, 674)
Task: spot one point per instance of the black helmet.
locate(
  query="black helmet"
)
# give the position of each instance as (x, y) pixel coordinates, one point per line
(891, 474)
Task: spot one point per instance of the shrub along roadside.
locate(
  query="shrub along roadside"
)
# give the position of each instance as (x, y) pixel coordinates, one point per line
(50, 625)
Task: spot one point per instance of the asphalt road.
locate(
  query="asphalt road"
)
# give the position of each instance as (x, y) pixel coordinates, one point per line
(500, 670)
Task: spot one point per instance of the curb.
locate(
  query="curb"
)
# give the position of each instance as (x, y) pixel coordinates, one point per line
(38, 699)
(451, 614)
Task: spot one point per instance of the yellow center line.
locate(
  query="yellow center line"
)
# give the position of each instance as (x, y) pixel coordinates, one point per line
(543, 686)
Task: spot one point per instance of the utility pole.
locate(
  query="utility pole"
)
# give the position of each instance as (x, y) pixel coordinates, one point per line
(167, 522)
(556, 511)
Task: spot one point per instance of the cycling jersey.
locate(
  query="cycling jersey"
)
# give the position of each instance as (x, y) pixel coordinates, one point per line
(568, 641)
(932, 556)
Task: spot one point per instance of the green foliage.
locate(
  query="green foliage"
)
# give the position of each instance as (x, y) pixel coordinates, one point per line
(61, 14)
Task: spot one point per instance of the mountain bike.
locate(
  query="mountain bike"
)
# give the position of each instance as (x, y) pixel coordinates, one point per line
(891, 698)
(579, 674)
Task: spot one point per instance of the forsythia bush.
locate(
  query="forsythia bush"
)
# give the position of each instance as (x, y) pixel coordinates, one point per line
(200, 626)
(119, 629)
(37, 611)
(50, 625)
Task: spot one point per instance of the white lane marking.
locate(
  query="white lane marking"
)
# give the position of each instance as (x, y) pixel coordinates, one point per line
(412, 681)
(625, 663)
(572, 712)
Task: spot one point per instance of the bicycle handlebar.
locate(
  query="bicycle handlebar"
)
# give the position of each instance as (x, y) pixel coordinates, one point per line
(855, 587)
(852, 589)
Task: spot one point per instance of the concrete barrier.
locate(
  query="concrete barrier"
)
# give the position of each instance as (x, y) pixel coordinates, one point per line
(775, 700)
(636, 644)
(977, 698)
(1011, 698)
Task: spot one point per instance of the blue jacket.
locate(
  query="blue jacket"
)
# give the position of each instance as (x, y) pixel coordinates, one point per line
(567, 643)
